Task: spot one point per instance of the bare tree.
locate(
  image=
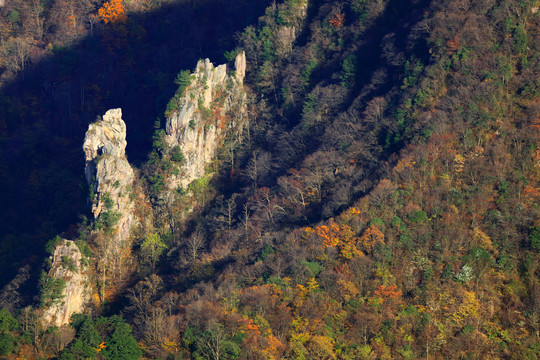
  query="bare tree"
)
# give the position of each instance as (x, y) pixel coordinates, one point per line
(213, 345)
(227, 211)
(16, 52)
(195, 244)
(258, 167)
(34, 20)
(9, 296)
(294, 188)
(148, 317)
(267, 204)
(246, 214)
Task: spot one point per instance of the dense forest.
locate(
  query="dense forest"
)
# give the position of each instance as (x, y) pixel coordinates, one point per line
(380, 200)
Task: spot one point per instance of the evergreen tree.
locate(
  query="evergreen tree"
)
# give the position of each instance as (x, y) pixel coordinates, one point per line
(120, 344)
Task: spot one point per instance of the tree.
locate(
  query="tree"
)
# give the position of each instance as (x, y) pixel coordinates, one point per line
(16, 53)
(229, 211)
(195, 244)
(7, 324)
(370, 237)
(33, 19)
(340, 236)
(113, 12)
(267, 205)
(293, 188)
(152, 247)
(9, 295)
(337, 20)
(215, 344)
(69, 18)
(258, 167)
(120, 344)
(87, 342)
(148, 318)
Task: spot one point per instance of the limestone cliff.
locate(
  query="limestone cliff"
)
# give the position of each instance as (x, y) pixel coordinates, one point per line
(109, 174)
(212, 106)
(68, 268)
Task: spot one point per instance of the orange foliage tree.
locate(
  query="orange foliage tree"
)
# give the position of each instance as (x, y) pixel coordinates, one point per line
(113, 12)
(337, 20)
(389, 297)
(340, 236)
(370, 237)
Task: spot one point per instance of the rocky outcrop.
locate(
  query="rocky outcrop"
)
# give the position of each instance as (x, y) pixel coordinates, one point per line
(109, 174)
(67, 267)
(110, 178)
(211, 107)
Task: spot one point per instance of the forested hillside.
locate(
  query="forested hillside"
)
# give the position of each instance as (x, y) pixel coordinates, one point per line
(73, 66)
(379, 199)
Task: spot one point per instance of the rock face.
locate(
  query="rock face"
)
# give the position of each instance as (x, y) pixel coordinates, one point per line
(66, 265)
(108, 172)
(212, 107)
(110, 178)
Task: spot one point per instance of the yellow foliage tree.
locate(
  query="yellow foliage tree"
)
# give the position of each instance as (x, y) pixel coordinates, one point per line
(469, 309)
(347, 290)
(482, 240)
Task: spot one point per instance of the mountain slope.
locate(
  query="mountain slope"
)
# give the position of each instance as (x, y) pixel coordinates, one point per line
(379, 201)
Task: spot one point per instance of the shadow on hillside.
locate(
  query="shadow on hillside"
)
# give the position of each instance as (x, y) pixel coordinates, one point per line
(45, 111)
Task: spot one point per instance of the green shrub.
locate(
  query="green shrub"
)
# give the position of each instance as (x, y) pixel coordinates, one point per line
(84, 248)
(534, 237)
(183, 80)
(349, 71)
(177, 155)
(68, 263)
(377, 222)
(121, 345)
(158, 138)
(268, 250)
(398, 223)
(7, 344)
(314, 267)
(7, 321)
(107, 201)
(106, 221)
(52, 244)
(230, 55)
(157, 183)
(306, 73)
(417, 217)
(51, 290)
(199, 186)
(13, 16)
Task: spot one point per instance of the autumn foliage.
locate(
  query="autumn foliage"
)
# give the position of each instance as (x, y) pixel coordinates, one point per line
(113, 12)
(337, 20)
(340, 236)
(402, 227)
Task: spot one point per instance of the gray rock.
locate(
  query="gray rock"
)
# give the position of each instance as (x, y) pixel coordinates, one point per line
(212, 107)
(108, 171)
(66, 264)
